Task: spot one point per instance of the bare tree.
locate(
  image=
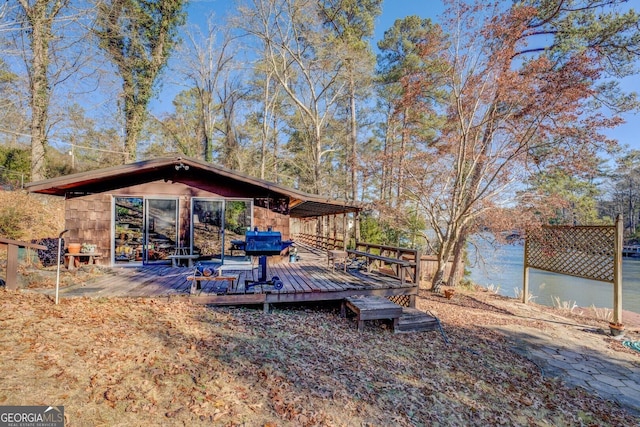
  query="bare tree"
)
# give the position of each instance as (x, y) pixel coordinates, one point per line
(511, 107)
(300, 57)
(207, 58)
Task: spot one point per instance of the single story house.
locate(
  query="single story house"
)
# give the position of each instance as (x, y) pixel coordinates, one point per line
(144, 212)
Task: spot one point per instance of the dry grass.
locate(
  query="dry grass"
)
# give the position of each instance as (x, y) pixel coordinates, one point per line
(40, 216)
(125, 362)
(145, 362)
(26, 217)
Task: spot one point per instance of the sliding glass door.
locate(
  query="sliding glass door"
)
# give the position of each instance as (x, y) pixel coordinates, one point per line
(145, 230)
(128, 230)
(161, 237)
(216, 223)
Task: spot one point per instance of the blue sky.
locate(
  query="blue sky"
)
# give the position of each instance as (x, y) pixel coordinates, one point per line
(627, 134)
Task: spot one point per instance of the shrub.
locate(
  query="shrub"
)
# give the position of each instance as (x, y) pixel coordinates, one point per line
(11, 220)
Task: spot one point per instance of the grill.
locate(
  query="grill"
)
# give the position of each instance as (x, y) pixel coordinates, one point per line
(264, 244)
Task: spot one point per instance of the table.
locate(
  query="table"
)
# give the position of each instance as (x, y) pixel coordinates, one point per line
(335, 257)
(73, 260)
(175, 259)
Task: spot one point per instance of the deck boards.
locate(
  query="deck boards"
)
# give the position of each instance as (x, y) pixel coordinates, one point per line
(309, 279)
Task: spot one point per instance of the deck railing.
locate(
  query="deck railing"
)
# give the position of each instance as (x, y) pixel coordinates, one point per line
(424, 270)
(382, 256)
(321, 242)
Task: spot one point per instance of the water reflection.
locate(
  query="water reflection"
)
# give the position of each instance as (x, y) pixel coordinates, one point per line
(503, 267)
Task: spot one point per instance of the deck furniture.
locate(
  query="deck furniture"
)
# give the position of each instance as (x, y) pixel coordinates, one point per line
(337, 257)
(372, 308)
(176, 259)
(197, 285)
(182, 253)
(402, 265)
(73, 260)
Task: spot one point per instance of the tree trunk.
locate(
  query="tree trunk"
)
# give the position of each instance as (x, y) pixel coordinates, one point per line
(438, 277)
(403, 145)
(134, 118)
(206, 98)
(458, 254)
(39, 110)
(317, 160)
(39, 16)
(354, 139)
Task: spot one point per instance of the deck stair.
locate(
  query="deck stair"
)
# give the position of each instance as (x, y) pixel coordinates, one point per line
(404, 319)
(414, 320)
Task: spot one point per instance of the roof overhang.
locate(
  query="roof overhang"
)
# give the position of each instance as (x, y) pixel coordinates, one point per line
(190, 171)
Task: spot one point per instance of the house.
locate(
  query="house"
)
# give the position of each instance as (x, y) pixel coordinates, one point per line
(145, 212)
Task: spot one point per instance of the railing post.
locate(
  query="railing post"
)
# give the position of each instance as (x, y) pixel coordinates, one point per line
(617, 272)
(525, 279)
(417, 269)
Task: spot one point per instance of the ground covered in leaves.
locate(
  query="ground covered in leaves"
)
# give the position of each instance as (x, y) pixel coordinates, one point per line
(149, 362)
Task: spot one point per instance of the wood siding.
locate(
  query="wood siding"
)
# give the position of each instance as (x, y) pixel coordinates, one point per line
(89, 218)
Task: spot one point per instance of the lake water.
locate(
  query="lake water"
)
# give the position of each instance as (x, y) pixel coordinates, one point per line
(503, 267)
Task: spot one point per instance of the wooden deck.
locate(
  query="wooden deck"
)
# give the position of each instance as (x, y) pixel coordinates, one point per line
(309, 279)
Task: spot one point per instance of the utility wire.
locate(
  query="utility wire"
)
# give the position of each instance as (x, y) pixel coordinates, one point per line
(57, 141)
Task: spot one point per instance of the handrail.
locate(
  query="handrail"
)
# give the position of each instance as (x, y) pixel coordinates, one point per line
(322, 242)
(387, 250)
(405, 260)
(11, 279)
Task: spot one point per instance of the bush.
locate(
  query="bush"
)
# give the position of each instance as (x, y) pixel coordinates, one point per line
(11, 220)
(26, 216)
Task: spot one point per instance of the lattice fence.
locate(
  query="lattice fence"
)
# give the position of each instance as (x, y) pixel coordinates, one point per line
(403, 300)
(581, 251)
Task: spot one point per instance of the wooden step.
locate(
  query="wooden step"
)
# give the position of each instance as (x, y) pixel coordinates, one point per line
(413, 320)
(371, 308)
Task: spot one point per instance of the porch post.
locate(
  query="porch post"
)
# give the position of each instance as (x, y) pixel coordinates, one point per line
(525, 279)
(617, 271)
(345, 231)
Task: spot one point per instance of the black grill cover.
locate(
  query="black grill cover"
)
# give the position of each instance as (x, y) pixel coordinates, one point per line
(263, 242)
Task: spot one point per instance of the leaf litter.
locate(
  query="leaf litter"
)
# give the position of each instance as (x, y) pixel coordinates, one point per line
(152, 362)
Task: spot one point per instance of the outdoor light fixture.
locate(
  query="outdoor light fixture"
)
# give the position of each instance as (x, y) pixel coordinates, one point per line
(182, 166)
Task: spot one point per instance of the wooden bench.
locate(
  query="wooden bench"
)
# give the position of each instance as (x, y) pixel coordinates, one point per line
(73, 260)
(372, 308)
(175, 259)
(403, 265)
(196, 285)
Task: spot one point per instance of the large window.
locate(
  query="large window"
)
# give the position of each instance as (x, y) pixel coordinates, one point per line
(128, 229)
(145, 230)
(161, 229)
(216, 223)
